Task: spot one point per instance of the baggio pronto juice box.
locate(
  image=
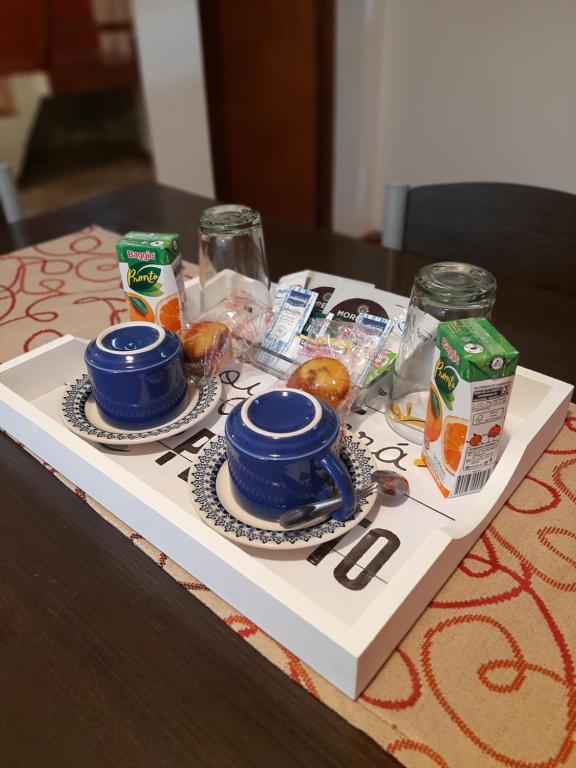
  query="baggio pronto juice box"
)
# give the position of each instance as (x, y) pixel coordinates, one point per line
(152, 278)
(472, 378)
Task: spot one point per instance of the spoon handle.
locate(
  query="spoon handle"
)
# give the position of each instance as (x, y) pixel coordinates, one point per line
(317, 511)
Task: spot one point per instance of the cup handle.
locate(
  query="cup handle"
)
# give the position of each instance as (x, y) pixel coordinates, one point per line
(339, 474)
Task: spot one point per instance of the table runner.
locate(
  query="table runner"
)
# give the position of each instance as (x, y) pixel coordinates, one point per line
(486, 676)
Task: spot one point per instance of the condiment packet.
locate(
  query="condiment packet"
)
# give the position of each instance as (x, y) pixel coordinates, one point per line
(294, 280)
(289, 320)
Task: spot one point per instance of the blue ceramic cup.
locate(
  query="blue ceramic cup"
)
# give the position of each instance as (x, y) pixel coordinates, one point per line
(282, 453)
(137, 374)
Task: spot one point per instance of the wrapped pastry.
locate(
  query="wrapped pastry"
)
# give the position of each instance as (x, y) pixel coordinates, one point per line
(206, 346)
(213, 339)
(325, 377)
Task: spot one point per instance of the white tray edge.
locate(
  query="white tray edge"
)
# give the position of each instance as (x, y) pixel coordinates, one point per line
(348, 662)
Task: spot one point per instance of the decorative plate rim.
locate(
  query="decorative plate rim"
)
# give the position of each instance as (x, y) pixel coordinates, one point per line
(202, 492)
(77, 392)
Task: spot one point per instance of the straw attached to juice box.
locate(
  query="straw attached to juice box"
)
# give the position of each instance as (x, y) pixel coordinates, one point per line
(152, 278)
(472, 376)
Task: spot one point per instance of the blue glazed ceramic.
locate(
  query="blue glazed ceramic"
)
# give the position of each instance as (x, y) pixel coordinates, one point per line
(282, 453)
(137, 375)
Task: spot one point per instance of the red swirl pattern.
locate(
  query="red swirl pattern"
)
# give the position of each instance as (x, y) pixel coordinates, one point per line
(486, 677)
(45, 290)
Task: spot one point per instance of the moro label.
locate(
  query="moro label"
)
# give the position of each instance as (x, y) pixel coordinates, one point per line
(349, 309)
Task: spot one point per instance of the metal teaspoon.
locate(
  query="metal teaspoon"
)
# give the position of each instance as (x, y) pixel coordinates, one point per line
(383, 481)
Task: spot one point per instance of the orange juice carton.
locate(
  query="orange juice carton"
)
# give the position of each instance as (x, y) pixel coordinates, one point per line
(472, 377)
(152, 277)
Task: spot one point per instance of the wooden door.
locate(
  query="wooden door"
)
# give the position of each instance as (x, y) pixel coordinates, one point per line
(269, 73)
(23, 36)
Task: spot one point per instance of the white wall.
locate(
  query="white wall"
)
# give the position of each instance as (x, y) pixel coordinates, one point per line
(27, 91)
(469, 90)
(357, 86)
(170, 53)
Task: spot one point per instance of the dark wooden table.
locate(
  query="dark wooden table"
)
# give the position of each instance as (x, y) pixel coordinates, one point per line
(104, 659)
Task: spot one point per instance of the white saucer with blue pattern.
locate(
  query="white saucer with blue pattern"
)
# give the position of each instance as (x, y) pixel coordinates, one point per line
(80, 414)
(212, 499)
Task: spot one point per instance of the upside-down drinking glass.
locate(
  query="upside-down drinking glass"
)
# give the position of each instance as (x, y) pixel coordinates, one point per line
(443, 291)
(232, 257)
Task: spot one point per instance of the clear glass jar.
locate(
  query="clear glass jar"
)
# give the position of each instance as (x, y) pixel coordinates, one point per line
(443, 291)
(231, 256)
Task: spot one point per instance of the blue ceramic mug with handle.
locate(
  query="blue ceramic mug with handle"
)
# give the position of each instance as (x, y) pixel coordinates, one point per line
(282, 453)
(137, 374)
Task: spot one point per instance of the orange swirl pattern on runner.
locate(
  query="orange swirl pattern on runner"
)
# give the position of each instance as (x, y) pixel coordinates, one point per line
(407, 745)
(517, 663)
(558, 476)
(554, 501)
(407, 701)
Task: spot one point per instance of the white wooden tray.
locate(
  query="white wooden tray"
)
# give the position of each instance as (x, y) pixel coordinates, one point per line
(300, 598)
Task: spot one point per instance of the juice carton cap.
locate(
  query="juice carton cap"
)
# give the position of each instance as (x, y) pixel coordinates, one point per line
(165, 246)
(476, 349)
(158, 239)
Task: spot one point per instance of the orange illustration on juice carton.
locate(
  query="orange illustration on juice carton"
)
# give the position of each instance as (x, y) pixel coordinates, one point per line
(151, 271)
(472, 378)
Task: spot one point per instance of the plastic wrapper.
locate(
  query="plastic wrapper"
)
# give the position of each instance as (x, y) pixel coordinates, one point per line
(382, 349)
(221, 334)
(338, 359)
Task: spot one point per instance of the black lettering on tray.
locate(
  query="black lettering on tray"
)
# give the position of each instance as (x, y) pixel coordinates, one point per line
(351, 559)
(316, 557)
(165, 458)
(195, 443)
(400, 455)
(231, 376)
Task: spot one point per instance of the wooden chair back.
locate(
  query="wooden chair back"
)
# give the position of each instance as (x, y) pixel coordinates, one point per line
(510, 226)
